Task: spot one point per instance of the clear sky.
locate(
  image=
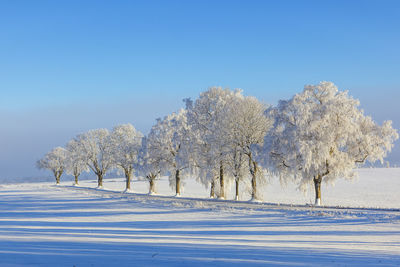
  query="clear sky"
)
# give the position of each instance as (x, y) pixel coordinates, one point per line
(70, 66)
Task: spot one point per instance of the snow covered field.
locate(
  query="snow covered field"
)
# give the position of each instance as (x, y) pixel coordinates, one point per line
(375, 188)
(46, 225)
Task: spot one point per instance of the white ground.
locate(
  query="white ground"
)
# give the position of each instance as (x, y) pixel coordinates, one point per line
(46, 225)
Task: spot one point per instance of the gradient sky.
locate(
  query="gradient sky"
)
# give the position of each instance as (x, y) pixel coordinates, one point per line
(70, 66)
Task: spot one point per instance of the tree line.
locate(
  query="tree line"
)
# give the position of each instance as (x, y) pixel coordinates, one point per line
(320, 134)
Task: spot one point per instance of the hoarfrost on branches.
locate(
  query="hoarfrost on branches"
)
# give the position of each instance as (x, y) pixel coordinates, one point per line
(247, 126)
(224, 137)
(126, 142)
(55, 161)
(76, 160)
(97, 149)
(150, 160)
(171, 136)
(321, 134)
(207, 119)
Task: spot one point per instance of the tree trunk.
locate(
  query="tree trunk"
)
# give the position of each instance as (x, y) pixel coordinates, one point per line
(151, 189)
(212, 192)
(99, 180)
(237, 189)
(254, 188)
(221, 181)
(317, 185)
(76, 179)
(177, 183)
(57, 175)
(128, 176)
(254, 181)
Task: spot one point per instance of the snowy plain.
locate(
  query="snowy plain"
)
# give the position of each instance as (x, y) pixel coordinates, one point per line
(46, 225)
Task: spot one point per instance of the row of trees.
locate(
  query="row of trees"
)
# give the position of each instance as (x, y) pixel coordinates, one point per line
(318, 135)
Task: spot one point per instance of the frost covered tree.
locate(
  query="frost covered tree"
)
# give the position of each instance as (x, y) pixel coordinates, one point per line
(125, 145)
(76, 160)
(54, 161)
(247, 126)
(321, 134)
(170, 136)
(207, 119)
(150, 160)
(97, 149)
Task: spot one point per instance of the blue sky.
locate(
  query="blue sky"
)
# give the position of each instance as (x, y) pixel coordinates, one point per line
(70, 66)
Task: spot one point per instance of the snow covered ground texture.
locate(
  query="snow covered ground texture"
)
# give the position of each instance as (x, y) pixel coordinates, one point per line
(47, 225)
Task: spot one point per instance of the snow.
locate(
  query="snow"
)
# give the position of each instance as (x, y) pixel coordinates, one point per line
(46, 225)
